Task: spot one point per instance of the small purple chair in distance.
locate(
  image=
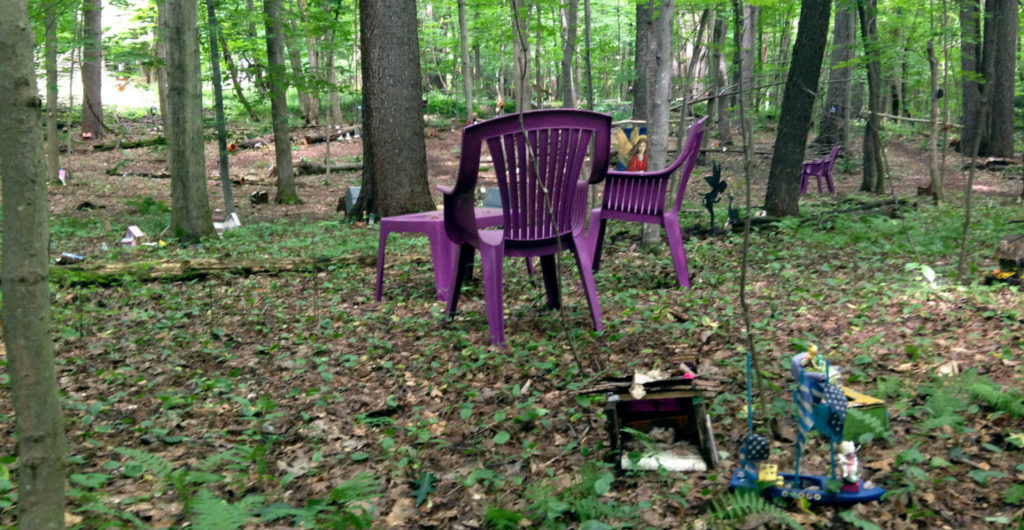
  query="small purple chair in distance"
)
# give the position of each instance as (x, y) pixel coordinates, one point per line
(640, 198)
(540, 190)
(819, 168)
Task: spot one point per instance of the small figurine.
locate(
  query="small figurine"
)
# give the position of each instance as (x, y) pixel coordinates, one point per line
(849, 467)
(717, 187)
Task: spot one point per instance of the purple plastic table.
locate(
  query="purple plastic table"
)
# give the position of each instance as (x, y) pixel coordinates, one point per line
(442, 250)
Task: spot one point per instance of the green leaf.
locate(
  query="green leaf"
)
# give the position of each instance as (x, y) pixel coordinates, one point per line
(863, 359)
(1014, 494)
(853, 519)
(991, 447)
(466, 412)
(938, 461)
(982, 477)
(594, 524)
(424, 487)
(1016, 439)
(502, 438)
(359, 456)
(603, 484)
(912, 456)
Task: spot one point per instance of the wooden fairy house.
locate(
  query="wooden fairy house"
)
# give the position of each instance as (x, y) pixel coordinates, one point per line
(661, 423)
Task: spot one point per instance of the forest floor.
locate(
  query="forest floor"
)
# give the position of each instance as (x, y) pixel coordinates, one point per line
(297, 400)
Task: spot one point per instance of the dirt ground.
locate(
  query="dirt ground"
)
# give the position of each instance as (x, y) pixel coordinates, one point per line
(186, 339)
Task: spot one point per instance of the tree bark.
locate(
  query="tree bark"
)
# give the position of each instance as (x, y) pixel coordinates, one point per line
(970, 66)
(92, 68)
(394, 150)
(294, 49)
(782, 198)
(312, 58)
(643, 61)
(719, 74)
(286, 193)
(521, 54)
(218, 101)
(872, 168)
(467, 76)
(52, 138)
(835, 116)
(186, 161)
(750, 15)
(41, 446)
(161, 55)
(662, 93)
(999, 60)
(935, 178)
(586, 55)
(569, 16)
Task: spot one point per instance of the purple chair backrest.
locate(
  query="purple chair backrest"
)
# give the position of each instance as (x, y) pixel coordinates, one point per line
(644, 193)
(832, 156)
(551, 160)
(691, 151)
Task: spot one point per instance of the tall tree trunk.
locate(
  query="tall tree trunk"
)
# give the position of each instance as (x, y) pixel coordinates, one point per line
(467, 76)
(999, 60)
(286, 193)
(394, 150)
(662, 92)
(24, 273)
(643, 61)
(719, 74)
(749, 49)
(970, 65)
(312, 59)
(935, 178)
(52, 138)
(190, 204)
(218, 101)
(92, 68)
(588, 71)
(835, 114)
(569, 16)
(161, 54)
(233, 72)
(797, 103)
(520, 54)
(873, 170)
(294, 49)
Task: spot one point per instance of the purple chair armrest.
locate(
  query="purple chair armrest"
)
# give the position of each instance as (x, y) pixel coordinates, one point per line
(444, 189)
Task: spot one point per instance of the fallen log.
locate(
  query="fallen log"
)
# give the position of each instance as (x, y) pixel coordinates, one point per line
(317, 138)
(174, 270)
(148, 142)
(994, 162)
(307, 167)
(251, 143)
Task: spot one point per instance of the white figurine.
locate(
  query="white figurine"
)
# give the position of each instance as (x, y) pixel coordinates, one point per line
(849, 467)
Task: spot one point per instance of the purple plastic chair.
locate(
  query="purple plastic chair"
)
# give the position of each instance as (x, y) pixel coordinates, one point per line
(542, 200)
(819, 168)
(640, 198)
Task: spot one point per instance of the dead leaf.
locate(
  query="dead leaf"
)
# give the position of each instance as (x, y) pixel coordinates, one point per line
(905, 367)
(884, 465)
(71, 519)
(403, 510)
(949, 368)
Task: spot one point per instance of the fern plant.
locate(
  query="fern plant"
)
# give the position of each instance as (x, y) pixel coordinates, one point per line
(212, 513)
(737, 506)
(1006, 401)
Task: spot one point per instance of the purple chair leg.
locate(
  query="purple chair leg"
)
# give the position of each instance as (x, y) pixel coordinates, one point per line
(828, 180)
(583, 261)
(803, 182)
(494, 291)
(675, 245)
(380, 261)
(462, 266)
(547, 267)
(595, 237)
(443, 252)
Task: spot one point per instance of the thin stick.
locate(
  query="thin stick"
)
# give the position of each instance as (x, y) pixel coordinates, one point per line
(748, 142)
